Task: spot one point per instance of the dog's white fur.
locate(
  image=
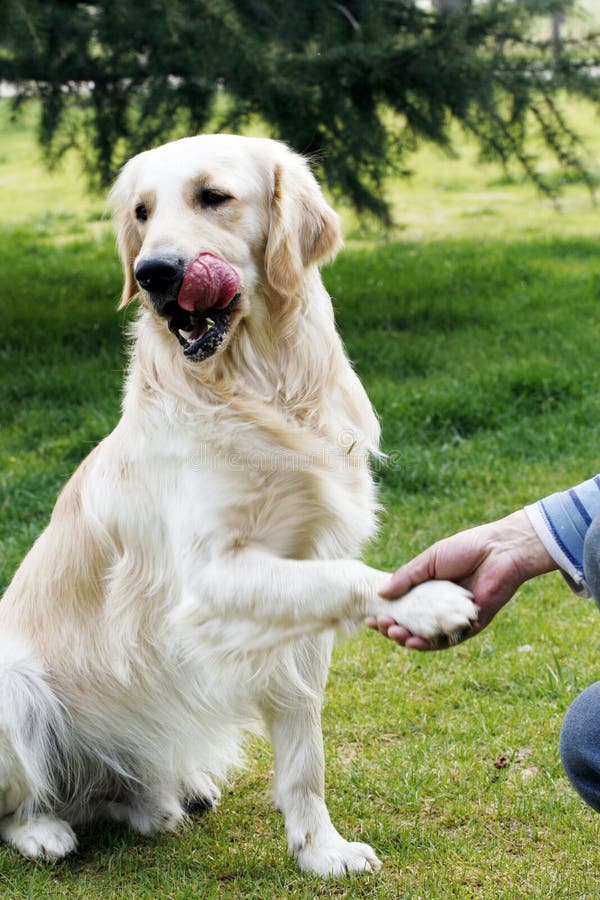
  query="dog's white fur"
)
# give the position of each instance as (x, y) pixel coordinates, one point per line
(196, 564)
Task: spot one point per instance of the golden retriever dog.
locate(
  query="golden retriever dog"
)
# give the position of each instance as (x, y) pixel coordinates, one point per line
(188, 586)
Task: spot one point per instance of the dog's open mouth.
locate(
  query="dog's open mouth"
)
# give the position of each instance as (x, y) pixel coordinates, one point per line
(200, 317)
(200, 333)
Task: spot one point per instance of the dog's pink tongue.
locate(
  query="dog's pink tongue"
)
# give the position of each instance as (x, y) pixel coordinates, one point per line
(209, 282)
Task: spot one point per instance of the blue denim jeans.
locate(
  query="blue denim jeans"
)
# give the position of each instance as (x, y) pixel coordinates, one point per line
(580, 734)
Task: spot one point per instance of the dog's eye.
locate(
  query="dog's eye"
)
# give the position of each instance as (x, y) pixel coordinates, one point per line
(210, 197)
(141, 212)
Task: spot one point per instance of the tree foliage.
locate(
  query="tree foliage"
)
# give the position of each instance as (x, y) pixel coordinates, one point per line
(355, 83)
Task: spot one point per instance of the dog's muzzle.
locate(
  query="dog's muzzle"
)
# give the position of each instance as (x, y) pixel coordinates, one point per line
(197, 299)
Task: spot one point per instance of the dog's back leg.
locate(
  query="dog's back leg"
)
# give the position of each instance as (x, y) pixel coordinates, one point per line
(153, 811)
(36, 836)
(293, 715)
(32, 741)
(200, 794)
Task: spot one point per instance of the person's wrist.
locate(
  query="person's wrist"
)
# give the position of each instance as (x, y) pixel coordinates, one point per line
(517, 536)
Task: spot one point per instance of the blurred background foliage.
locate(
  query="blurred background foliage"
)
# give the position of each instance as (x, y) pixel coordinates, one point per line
(356, 84)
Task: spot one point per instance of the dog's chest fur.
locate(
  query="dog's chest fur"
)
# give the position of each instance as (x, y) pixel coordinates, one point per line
(215, 488)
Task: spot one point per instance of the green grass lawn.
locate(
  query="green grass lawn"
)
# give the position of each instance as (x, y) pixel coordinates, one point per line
(476, 329)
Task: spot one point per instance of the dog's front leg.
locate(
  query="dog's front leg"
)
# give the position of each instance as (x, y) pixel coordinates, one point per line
(294, 721)
(252, 600)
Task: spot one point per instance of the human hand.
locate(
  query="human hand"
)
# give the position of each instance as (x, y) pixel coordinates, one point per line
(492, 561)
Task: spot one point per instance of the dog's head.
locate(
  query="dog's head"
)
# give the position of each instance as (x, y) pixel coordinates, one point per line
(208, 224)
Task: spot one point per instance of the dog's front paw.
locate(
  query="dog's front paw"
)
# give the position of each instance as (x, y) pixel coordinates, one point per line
(435, 610)
(330, 856)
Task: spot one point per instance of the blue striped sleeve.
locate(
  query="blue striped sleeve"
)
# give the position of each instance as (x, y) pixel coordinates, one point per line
(561, 522)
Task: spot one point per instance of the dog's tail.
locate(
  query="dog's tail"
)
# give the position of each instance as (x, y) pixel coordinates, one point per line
(33, 730)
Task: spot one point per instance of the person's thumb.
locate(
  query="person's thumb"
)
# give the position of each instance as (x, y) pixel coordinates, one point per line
(406, 577)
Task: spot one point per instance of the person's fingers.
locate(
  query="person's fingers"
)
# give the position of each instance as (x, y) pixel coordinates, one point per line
(398, 633)
(404, 638)
(411, 641)
(380, 623)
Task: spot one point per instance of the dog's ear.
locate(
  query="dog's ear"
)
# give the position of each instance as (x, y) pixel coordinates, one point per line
(303, 229)
(128, 241)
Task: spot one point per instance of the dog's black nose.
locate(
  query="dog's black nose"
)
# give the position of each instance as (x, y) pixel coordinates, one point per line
(160, 274)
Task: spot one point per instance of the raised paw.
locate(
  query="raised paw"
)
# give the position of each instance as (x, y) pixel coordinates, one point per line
(41, 837)
(435, 610)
